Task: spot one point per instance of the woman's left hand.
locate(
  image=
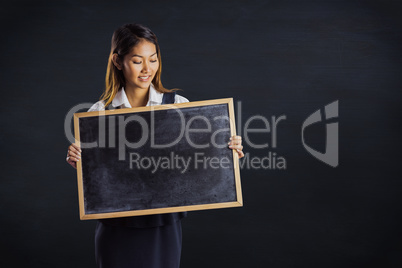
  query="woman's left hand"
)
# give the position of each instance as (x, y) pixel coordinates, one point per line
(235, 143)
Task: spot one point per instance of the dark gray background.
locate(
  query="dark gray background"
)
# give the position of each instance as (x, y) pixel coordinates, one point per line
(276, 57)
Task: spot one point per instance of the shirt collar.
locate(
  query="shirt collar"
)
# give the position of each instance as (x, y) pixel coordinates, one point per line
(155, 98)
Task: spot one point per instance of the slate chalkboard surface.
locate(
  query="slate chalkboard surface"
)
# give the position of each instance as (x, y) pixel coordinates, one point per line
(158, 159)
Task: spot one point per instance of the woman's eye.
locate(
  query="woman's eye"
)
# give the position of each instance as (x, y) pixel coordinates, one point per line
(153, 60)
(137, 62)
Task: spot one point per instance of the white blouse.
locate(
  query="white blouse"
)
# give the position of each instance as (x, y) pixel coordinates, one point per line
(121, 100)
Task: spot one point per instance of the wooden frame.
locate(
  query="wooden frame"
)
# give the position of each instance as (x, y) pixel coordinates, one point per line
(236, 171)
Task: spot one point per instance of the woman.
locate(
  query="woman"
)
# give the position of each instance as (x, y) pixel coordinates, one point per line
(133, 79)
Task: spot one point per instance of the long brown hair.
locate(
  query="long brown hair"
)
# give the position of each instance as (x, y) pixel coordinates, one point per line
(123, 40)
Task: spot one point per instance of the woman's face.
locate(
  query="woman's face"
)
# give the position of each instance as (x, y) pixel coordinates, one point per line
(140, 65)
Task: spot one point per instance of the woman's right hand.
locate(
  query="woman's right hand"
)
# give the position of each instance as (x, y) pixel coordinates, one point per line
(73, 155)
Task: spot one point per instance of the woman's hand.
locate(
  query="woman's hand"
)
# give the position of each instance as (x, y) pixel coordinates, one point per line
(235, 143)
(73, 155)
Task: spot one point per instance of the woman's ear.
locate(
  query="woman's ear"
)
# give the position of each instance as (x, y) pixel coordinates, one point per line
(116, 61)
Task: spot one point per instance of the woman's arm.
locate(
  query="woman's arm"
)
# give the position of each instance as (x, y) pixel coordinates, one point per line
(74, 151)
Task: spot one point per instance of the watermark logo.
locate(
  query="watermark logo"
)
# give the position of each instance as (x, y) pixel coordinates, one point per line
(330, 156)
(112, 131)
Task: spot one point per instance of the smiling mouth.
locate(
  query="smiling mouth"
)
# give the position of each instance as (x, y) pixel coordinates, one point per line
(144, 78)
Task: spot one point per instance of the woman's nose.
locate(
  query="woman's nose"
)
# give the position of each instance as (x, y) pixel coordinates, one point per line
(145, 67)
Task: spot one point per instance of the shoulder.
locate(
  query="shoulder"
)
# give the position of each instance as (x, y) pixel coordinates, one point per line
(98, 106)
(180, 99)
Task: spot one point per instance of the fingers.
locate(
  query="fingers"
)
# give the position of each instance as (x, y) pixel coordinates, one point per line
(74, 151)
(74, 147)
(72, 163)
(240, 153)
(73, 155)
(235, 143)
(235, 139)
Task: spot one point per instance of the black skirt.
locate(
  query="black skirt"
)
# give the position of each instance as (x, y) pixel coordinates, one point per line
(151, 247)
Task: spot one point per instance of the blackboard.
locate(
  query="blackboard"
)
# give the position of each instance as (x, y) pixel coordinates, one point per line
(157, 159)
